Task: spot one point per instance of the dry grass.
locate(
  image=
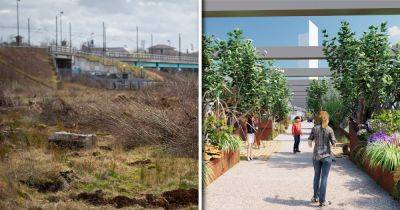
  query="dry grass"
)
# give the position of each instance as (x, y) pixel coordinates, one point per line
(156, 125)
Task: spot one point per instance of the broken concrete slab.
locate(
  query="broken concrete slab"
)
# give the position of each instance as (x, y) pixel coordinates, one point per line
(73, 140)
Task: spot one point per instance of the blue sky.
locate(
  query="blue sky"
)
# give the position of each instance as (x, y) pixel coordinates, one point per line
(284, 31)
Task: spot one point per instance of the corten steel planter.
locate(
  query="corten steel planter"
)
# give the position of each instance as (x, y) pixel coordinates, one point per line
(387, 180)
(220, 165)
(382, 176)
(264, 130)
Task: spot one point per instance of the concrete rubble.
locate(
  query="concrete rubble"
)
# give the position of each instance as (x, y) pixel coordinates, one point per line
(73, 140)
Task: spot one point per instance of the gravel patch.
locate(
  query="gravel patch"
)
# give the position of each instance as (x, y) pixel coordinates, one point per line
(284, 181)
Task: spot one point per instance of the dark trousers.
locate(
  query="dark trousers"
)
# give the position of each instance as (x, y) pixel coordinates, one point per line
(296, 143)
(321, 172)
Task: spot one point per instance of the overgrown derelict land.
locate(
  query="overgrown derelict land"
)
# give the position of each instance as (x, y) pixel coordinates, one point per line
(146, 151)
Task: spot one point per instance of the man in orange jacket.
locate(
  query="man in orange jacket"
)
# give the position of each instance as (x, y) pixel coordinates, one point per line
(296, 132)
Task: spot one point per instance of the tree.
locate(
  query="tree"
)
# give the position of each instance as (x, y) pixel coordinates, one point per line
(315, 95)
(364, 70)
(276, 96)
(237, 60)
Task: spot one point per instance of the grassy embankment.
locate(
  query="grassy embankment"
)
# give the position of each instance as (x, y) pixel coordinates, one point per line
(146, 140)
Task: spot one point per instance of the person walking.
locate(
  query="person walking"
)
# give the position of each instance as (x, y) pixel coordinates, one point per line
(324, 137)
(296, 132)
(251, 128)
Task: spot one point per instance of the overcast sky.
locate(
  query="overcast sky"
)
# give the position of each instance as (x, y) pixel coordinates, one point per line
(165, 19)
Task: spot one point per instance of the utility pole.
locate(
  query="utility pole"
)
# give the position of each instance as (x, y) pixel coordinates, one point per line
(151, 40)
(29, 32)
(56, 30)
(104, 39)
(18, 37)
(70, 38)
(61, 39)
(179, 46)
(137, 39)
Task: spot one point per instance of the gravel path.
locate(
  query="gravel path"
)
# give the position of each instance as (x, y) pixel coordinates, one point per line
(284, 181)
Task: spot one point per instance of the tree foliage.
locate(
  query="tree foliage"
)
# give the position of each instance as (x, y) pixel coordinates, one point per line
(233, 77)
(364, 70)
(275, 100)
(315, 95)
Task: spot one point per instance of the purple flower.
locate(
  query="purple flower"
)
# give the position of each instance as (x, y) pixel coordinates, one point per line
(380, 136)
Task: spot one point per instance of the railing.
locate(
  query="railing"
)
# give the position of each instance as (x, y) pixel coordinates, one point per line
(136, 56)
(146, 56)
(61, 49)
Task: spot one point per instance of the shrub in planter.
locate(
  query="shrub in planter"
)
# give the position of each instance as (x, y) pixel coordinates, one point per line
(383, 154)
(220, 134)
(358, 154)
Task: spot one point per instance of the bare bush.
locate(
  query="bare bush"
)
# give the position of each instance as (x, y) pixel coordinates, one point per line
(164, 115)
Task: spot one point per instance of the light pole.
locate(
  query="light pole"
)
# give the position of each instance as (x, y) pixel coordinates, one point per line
(61, 39)
(56, 30)
(18, 23)
(180, 46)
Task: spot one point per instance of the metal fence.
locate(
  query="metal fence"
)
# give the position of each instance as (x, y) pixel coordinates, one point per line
(134, 56)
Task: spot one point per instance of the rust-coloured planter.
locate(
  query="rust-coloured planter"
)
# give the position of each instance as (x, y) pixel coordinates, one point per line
(221, 165)
(382, 176)
(264, 130)
(387, 181)
(353, 135)
(374, 173)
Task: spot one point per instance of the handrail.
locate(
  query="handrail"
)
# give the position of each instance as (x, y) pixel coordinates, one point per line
(138, 56)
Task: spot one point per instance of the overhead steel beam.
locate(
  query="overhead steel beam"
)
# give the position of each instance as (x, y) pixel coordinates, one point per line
(291, 53)
(252, 8)
(307, 72)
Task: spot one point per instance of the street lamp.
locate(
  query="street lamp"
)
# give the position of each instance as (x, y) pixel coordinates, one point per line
(61, 39)
(18, 22)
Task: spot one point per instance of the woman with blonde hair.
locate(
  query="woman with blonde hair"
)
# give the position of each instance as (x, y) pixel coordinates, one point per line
(324, 137)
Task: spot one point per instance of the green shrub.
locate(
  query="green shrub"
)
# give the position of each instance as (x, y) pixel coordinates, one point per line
(315, 94)
(358, 153)
(207, 173)
(385, 155)
(334, 106)
(386, 120)
(220, 134)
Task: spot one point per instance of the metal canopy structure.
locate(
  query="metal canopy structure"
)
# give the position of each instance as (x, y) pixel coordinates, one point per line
(257, 8)
(291, 53)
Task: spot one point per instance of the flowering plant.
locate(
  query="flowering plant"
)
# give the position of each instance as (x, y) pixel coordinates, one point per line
(381, 136)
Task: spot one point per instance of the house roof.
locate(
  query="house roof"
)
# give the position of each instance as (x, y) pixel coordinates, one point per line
(161, 46)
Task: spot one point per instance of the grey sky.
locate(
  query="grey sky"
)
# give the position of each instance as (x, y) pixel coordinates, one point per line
(165, 19)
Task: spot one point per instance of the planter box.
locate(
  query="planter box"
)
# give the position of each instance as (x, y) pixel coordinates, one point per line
(263, 133)
(221, 165)
(382, 176)
(264, 130)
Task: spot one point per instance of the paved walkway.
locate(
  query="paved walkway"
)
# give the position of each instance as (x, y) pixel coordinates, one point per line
(284, 181)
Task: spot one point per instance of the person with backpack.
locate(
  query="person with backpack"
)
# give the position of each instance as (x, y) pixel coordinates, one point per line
(324, 137)
(296, 132)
